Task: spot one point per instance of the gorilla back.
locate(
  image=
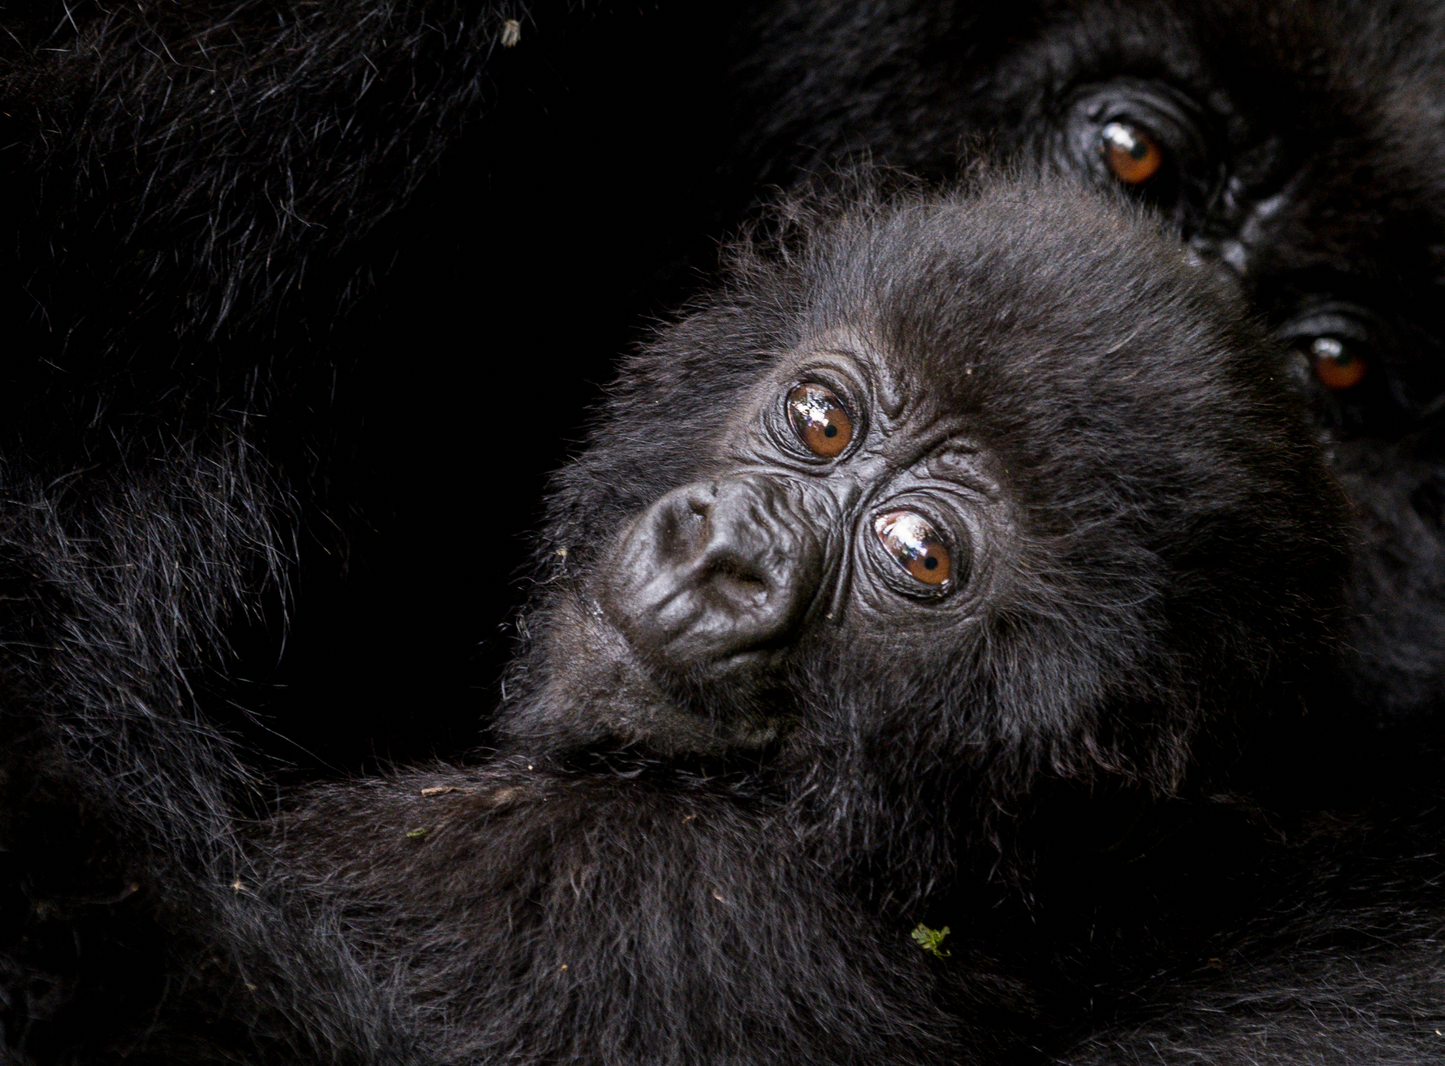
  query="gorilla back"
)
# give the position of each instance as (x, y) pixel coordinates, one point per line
(947, 539)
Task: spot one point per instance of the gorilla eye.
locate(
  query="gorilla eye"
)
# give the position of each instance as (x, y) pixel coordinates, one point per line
(1335, 363)
(820, 420)
(1131, 154)
(914, 545)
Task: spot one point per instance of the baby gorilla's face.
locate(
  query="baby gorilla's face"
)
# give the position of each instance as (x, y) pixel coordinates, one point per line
(843, 503)
(1007, 475)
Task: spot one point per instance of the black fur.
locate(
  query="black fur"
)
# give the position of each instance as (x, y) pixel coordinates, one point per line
(1153, 567)
(1298, 156)
(197, 192)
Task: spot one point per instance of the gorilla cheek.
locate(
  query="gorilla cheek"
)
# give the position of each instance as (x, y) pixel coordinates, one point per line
(716, 578)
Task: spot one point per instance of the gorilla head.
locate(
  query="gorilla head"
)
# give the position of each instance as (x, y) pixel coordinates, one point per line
(935, 494)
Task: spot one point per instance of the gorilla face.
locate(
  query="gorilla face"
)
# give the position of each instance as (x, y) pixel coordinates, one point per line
(1302, 157)
(940, 490)
(847, 510)
(1294, 147)
(1305, 177)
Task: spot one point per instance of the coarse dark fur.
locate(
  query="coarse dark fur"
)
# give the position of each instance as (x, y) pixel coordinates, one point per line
(196, 196)
(720, 811)
(208, 456)
(197, 190)
(1301, 153)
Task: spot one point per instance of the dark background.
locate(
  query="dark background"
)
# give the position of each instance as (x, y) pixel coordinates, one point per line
(582, 207)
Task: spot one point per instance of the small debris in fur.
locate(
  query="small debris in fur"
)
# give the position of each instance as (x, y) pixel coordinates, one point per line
(930, 939)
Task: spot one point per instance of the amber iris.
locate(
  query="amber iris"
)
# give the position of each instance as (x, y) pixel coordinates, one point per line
(914, 545)
(1335, 366)
(820, 420)
(1131, 155)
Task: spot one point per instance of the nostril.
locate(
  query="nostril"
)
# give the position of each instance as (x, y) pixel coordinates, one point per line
(681, 531)
(701, 499)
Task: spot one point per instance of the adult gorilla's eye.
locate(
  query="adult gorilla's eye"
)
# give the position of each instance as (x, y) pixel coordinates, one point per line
(1336, 365)
(820, 420)
(1131, 154)
(914, 545)
(1149, 138)
(1335, 342)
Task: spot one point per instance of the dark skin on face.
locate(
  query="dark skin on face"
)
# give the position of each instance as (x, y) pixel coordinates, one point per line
(838, 506)
(1141, 137)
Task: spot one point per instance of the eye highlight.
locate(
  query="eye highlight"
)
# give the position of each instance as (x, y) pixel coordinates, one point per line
(1131, 154)
(912, 542)
(820, 420)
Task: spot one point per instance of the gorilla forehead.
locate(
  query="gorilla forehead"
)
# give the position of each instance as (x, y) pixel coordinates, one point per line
(1032, 310)
(1005, 304)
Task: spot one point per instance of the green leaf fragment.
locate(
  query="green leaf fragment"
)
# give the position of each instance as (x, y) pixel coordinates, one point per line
(929, 939)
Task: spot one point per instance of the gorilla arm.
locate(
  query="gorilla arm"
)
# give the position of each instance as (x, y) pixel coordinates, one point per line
(556, 917)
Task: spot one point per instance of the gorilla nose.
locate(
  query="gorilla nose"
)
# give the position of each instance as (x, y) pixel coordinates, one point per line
(714, 571)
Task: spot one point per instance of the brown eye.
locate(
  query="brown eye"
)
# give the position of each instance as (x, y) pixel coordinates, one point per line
(1131, 155)
(914, 545)
(1336, 367)
(820, 420)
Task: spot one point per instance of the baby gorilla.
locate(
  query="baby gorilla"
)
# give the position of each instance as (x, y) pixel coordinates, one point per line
(953, 539)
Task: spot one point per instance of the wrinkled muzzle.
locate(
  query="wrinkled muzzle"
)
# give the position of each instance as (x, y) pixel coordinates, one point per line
(716, 576)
